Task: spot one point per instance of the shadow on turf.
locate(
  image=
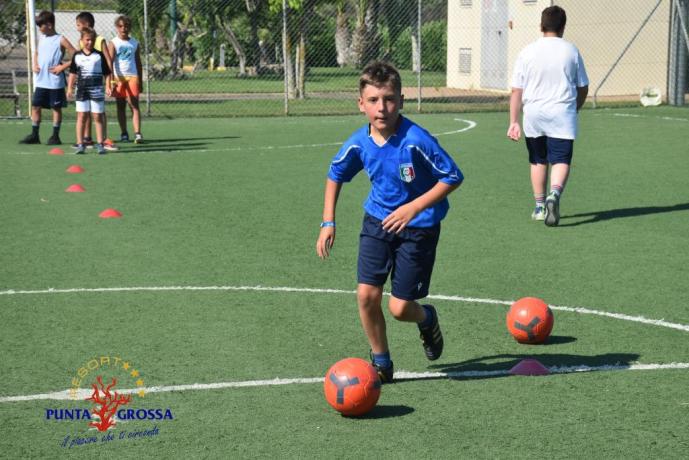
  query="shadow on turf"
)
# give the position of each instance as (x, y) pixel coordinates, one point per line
(506, 362)
(184, 139)
(156, 146)
(386, 412)
(599, 216)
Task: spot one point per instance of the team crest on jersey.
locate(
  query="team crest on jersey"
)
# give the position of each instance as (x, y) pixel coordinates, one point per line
(407, 173)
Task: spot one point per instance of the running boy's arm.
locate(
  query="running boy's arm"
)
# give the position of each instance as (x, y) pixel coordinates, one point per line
(326, 238)
(514, 131)
(397, 220)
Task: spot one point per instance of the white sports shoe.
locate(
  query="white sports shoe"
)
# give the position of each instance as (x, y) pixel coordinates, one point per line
(538, 213)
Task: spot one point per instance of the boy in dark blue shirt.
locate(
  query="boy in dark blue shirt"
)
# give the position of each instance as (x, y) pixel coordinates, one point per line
(411, 176)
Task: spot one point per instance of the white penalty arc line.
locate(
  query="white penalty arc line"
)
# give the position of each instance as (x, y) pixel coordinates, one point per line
(399, 376)
(470, 125)
(581, 310)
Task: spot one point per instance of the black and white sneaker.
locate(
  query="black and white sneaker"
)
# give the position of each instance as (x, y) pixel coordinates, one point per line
(432, 337)
(552, 210)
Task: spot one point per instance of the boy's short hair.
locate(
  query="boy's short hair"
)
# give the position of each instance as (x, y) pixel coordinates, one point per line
(88, 31)
(86, 18)
(379, 73)
(124, 20)
(45, 17)
(553, 19)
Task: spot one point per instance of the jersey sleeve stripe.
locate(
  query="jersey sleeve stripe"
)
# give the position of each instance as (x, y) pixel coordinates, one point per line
(450, 174)
(344, 155)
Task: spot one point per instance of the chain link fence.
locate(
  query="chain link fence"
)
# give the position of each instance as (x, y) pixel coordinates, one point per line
(277, 57)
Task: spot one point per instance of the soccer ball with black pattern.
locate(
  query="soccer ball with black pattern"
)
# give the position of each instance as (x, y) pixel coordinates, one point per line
(530, 320)
(352, 386)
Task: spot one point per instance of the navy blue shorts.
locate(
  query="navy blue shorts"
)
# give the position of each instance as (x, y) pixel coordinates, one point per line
(409, 256)
(49, 98)
(544, 150)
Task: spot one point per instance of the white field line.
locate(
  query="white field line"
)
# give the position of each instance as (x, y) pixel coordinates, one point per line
(634, 115)
(581, 310)
(470, 125)
(400, 376)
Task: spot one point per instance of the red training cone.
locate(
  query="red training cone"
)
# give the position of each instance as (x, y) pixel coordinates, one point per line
(529, 367)
(110, 213)
(56, 151)
(75, 188)
(75, 169)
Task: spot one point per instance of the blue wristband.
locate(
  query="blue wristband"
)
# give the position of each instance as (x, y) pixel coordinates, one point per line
(327, 223)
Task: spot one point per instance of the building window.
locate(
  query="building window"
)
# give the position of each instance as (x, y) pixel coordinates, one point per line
(530, 2)
(465, 3)
(465, 60)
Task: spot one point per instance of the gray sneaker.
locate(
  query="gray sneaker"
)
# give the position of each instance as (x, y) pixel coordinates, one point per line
(101, 149)
(80, 149)
(552, 210)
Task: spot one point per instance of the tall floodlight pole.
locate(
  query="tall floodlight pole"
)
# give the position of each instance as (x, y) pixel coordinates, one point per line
(146, 61)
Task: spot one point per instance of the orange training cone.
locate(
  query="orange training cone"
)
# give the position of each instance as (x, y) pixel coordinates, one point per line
(56, 151)
(75, 169)
(75, 188)
(110, 213)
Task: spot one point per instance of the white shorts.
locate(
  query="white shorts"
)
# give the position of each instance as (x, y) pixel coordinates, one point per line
(91, 106)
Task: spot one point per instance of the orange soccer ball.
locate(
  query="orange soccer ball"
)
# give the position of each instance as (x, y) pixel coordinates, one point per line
(530, 320)
(352, 386)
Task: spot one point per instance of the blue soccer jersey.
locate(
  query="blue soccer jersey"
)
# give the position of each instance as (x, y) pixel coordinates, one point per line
(409, 164)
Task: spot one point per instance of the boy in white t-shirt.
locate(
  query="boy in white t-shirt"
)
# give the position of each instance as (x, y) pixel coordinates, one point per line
(550, 83)
(127, 84)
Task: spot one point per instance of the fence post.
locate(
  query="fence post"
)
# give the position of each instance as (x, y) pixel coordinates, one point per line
(284, 55)
(677, 63)
(418, 56)
(146, 61)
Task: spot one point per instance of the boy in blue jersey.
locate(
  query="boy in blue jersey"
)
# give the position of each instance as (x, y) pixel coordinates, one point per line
(411, 176)
(49, 81)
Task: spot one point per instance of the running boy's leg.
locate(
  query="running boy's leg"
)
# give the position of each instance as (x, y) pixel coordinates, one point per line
(369, 298)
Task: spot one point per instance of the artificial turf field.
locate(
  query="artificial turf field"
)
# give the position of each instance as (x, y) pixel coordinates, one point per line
(210, 277)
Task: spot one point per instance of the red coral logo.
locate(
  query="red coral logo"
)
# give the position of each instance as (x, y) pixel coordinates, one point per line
(106, 404)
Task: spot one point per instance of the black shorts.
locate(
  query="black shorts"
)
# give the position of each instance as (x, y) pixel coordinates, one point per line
(544, 150)
(49, 98)
(409, 256)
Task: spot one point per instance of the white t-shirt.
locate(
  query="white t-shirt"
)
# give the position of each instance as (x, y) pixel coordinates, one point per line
(549, 71)
(124, 60)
